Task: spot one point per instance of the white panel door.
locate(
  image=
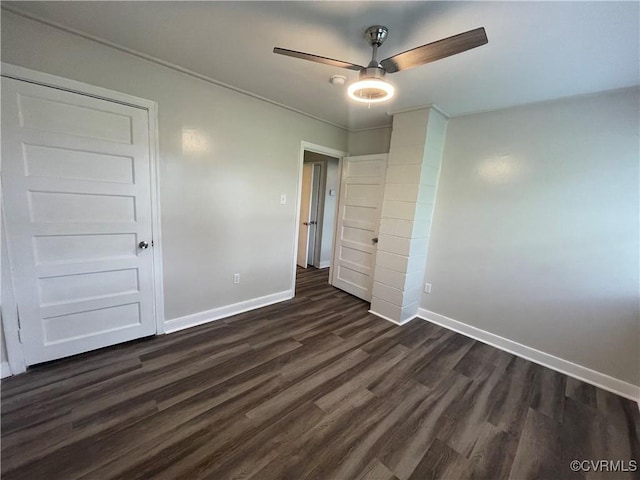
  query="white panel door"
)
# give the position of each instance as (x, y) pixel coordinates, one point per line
(77, 200)
(305, 214)
(359, 207)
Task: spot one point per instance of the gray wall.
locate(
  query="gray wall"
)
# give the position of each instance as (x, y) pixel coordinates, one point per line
(221, 211)
(367, 142)
(535, 233)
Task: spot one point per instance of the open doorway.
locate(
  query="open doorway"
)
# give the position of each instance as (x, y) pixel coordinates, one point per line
(318, 194)
(318, 202)
(339, 208)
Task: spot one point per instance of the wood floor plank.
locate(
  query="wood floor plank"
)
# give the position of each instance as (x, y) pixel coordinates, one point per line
(539, 453)
(377, 366)
(440, 461)
(303, 389)
(376, 471)
(411, 440)
(358, 450)
(443, 359)
(547, 394)
(294, 459)
(267, 445)
(515, 387)
(580, 391)
(217, 422)
(581, 436)
(466, 423)
(314, 387)
(477, 359)
(493, 454)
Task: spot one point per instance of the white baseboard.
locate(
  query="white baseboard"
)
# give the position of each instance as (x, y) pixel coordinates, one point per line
(207, 316)
(325, 264)
(5, 370)
(561, 365)
(384, 317)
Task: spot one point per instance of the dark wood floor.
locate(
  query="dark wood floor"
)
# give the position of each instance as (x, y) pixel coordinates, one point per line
(311, 388)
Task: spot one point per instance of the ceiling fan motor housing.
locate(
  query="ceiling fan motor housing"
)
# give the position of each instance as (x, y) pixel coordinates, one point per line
(372, 73)
(376, 35)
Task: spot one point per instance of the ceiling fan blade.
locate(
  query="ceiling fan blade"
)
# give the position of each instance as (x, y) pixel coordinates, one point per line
(435, 50)
(317, 59)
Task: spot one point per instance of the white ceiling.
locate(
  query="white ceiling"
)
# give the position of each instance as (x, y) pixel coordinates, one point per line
(537, 50)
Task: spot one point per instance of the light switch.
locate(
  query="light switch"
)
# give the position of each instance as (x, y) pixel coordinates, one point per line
(283, 199)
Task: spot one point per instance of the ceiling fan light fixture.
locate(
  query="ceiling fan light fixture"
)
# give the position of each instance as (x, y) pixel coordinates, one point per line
(370, 90)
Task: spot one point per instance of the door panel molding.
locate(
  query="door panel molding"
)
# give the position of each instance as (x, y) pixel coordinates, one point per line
(359, 209)
(10, 322)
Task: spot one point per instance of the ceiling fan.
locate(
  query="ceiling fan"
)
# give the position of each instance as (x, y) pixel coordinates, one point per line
(371, 87)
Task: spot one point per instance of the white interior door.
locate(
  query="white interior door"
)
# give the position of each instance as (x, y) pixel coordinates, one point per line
(359, 206)
(305, 214)
(77, 200)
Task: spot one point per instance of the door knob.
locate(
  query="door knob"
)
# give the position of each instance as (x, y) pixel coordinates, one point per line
(143, 245)
(306, 223)
(374, 239)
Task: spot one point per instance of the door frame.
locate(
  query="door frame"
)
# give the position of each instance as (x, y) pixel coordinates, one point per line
(305, 187)
(309, 147)
(10, 322)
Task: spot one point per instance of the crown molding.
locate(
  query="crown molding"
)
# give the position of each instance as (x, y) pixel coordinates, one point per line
(156, 60)
(367, 129)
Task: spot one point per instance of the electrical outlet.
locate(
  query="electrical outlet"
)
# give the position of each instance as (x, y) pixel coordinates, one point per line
(427, 288)
(236, 278)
